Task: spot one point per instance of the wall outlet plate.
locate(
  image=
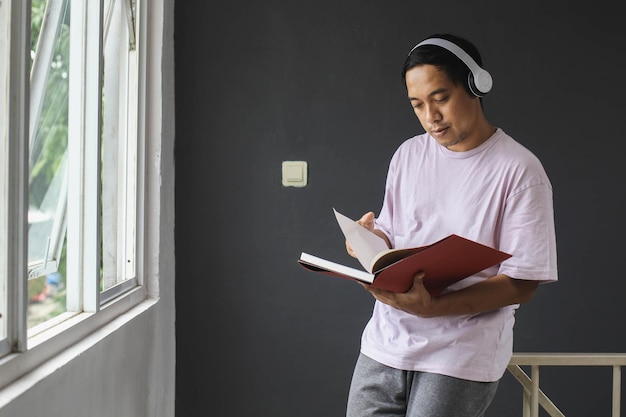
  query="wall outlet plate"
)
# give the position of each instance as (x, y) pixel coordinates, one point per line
(295, 173)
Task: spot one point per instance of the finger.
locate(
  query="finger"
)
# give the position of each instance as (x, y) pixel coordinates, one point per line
(418, 279)
(418, 284)
(350, 250)
(419, 276)
(367, 220)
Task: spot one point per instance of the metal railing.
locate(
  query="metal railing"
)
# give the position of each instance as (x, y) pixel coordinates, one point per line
(534, 397)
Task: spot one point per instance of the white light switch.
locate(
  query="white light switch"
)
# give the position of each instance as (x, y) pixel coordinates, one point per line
(294, 173)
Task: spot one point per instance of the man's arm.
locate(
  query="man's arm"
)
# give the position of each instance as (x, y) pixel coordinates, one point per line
(491, 294)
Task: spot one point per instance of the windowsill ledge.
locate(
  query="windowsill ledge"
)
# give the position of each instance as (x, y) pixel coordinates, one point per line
(65, 341)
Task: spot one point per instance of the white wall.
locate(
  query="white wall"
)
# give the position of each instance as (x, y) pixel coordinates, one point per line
(127, 368)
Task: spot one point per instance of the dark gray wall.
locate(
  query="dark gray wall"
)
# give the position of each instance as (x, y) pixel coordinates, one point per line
(263, 82)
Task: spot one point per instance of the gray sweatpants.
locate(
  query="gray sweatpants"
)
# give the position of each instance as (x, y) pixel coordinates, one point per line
(378, 390)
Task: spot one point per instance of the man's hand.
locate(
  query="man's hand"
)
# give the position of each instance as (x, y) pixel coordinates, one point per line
(490, 294)
(417, 300)
(367, 221)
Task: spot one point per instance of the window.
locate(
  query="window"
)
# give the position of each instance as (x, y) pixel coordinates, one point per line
(47, 154)
(71, 160)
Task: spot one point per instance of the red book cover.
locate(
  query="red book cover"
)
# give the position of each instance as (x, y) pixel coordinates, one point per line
(444, 262)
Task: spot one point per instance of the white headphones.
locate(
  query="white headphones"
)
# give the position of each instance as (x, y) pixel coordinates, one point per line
(479, 80)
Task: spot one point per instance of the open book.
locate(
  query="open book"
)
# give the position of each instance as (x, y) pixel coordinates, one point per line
(444, 262)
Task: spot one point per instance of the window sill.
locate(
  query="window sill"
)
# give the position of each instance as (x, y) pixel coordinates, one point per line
(73, 334)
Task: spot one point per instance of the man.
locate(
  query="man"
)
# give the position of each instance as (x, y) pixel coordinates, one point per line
(424, 356)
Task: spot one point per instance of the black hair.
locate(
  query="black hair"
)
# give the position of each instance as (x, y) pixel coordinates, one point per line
(443, 59)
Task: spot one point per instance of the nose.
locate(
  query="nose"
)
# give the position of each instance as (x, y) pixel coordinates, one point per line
(432, 114)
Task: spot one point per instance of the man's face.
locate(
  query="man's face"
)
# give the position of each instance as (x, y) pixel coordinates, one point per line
(445, 110)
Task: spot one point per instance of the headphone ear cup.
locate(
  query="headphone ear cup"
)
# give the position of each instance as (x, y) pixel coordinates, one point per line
(480, 83)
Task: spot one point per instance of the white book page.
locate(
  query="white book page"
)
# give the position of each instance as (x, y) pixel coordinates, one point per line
(335, 267)
(366, 244)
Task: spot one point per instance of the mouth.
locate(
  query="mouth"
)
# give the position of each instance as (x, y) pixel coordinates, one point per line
(438, 132)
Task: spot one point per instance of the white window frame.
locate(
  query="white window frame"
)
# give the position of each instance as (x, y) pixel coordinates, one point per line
(119, 239)
(4, 171)
(88, 308)
(16, 114)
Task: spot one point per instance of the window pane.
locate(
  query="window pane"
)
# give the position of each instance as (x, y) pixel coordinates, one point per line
(48, 158)
(119, 149)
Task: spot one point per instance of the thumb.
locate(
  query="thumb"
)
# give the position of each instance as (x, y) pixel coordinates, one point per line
(367, 220)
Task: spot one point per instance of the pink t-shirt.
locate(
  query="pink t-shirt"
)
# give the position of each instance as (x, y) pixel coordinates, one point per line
(498, 194)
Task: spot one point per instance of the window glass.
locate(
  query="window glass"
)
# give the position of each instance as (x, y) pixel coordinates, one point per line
(119, 147)
(48, 139)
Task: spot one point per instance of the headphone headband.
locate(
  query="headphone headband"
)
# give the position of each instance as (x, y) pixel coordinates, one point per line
(480, 81)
